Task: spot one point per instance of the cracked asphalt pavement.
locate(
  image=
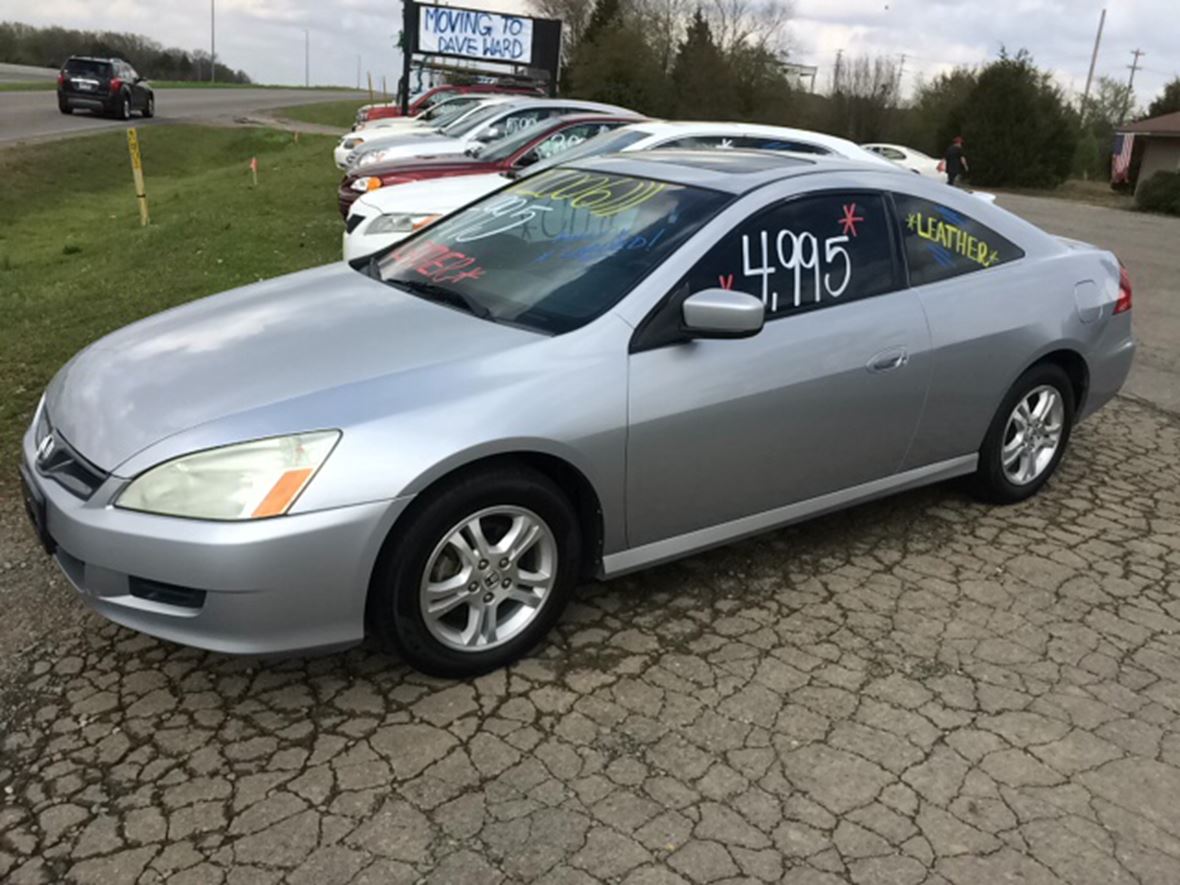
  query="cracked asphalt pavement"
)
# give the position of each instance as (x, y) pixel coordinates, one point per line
(919, 690)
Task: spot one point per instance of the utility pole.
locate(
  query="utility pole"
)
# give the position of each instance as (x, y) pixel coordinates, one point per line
(1134, 66)
(836, 70)
(1093, 60)
(306, 58)
(900, 73)
(358, 71)
(212, 41)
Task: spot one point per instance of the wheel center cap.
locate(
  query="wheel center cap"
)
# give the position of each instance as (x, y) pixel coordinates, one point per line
(491, 579)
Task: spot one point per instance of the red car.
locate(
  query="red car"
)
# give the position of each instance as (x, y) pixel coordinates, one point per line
(438, 93)
(538, 142)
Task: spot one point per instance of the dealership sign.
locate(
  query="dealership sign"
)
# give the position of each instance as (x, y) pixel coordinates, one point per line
(472, 33)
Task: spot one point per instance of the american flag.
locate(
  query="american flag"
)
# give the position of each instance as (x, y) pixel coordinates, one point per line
(1120, 159)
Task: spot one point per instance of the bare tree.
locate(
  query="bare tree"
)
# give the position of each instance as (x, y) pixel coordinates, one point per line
(761, 23)
(864, 94)
(574, 16)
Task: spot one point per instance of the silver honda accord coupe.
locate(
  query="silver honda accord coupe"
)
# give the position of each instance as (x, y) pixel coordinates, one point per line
(590, 371)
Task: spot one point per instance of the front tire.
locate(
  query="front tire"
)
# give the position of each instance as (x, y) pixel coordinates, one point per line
(149, 107)
(65, 108)
(1028, 436)
(478, 573)
(123, 107)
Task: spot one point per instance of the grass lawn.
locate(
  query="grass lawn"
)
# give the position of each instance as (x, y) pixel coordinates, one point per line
(341, 114)
(75, 263)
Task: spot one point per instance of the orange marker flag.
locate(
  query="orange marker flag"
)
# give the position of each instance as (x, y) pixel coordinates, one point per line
(254, 170)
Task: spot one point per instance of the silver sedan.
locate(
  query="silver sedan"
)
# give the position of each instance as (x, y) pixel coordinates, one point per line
(590, 371)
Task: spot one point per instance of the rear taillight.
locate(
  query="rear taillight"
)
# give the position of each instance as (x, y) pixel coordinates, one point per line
(1124, 301)
(116, 84)
(61, 79)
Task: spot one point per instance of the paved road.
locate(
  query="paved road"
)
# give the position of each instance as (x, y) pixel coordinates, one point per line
(1147, 244)
(922, 691)
(34, 115)
(25, 73)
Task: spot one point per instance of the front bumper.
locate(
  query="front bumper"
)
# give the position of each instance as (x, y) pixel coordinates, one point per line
(288, 584)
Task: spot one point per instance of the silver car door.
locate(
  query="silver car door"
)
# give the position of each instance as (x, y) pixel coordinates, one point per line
(976, 296)
(826, 397)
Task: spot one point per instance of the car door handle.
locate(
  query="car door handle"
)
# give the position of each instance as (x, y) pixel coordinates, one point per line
(887, 360)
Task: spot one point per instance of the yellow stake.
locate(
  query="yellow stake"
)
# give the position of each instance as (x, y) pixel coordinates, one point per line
(137, 174)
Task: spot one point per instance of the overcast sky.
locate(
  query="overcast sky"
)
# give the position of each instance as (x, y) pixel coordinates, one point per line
(265, 37)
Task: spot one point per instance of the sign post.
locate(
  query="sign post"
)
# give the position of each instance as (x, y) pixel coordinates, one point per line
(137, 175)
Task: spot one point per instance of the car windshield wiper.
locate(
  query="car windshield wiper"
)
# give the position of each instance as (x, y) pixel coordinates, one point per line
(453, 297)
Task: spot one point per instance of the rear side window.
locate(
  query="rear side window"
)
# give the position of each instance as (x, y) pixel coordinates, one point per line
(941, 243)
(809, 252)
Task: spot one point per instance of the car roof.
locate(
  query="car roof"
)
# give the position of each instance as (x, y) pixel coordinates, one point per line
(734, 170)
(93, 58)
(526, 101)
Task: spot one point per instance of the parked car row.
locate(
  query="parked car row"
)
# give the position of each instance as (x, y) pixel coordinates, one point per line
(401, 177)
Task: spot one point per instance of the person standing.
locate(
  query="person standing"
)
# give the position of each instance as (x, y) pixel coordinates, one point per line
(955, 161)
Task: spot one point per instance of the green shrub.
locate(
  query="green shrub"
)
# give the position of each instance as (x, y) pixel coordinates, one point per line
(1160, 193)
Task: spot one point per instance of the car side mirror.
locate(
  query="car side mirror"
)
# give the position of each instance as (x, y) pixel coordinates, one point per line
(528, 159)
(722, 313)
(491, 135)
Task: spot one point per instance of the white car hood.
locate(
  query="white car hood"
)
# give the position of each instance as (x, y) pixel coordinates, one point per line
(436, 196)
(421, 146)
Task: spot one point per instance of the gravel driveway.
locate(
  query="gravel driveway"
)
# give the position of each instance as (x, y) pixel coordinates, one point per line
(921, 690)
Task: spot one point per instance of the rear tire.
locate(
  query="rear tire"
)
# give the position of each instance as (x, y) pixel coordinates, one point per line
(1027, 438)
(455, 603)
(123, 107)
(65, 108)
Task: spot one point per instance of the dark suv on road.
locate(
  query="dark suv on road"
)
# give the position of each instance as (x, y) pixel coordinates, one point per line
(107, 85)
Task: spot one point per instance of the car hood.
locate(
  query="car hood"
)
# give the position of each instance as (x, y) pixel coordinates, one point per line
(410, 147)
(251, 349)
(428, 167)
(431, 197)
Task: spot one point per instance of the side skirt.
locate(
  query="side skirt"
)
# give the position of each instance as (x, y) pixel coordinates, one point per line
(615, 564)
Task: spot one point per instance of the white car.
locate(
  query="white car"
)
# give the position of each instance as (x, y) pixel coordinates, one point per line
(474, 130)
(353, 143)
(389, 214)
(907, 158)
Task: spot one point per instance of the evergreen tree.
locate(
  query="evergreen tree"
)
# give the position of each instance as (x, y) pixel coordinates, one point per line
(702, 80)
(1168, 101)
(1017, 126)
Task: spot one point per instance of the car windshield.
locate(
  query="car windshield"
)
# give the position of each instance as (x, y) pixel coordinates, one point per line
(449, 108)
(606, 143)
(85, 67)
(504, 148)
(550, 252)
(468, 122)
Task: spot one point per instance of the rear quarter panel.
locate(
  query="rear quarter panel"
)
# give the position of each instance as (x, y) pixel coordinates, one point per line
(989, 326)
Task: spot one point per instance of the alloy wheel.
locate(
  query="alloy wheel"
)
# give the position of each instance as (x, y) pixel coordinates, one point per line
(1032, 435)
(488, 578)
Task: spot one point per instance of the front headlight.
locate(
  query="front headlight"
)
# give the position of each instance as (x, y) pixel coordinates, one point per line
(368, 183)
(398, 223)
(244, 481)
